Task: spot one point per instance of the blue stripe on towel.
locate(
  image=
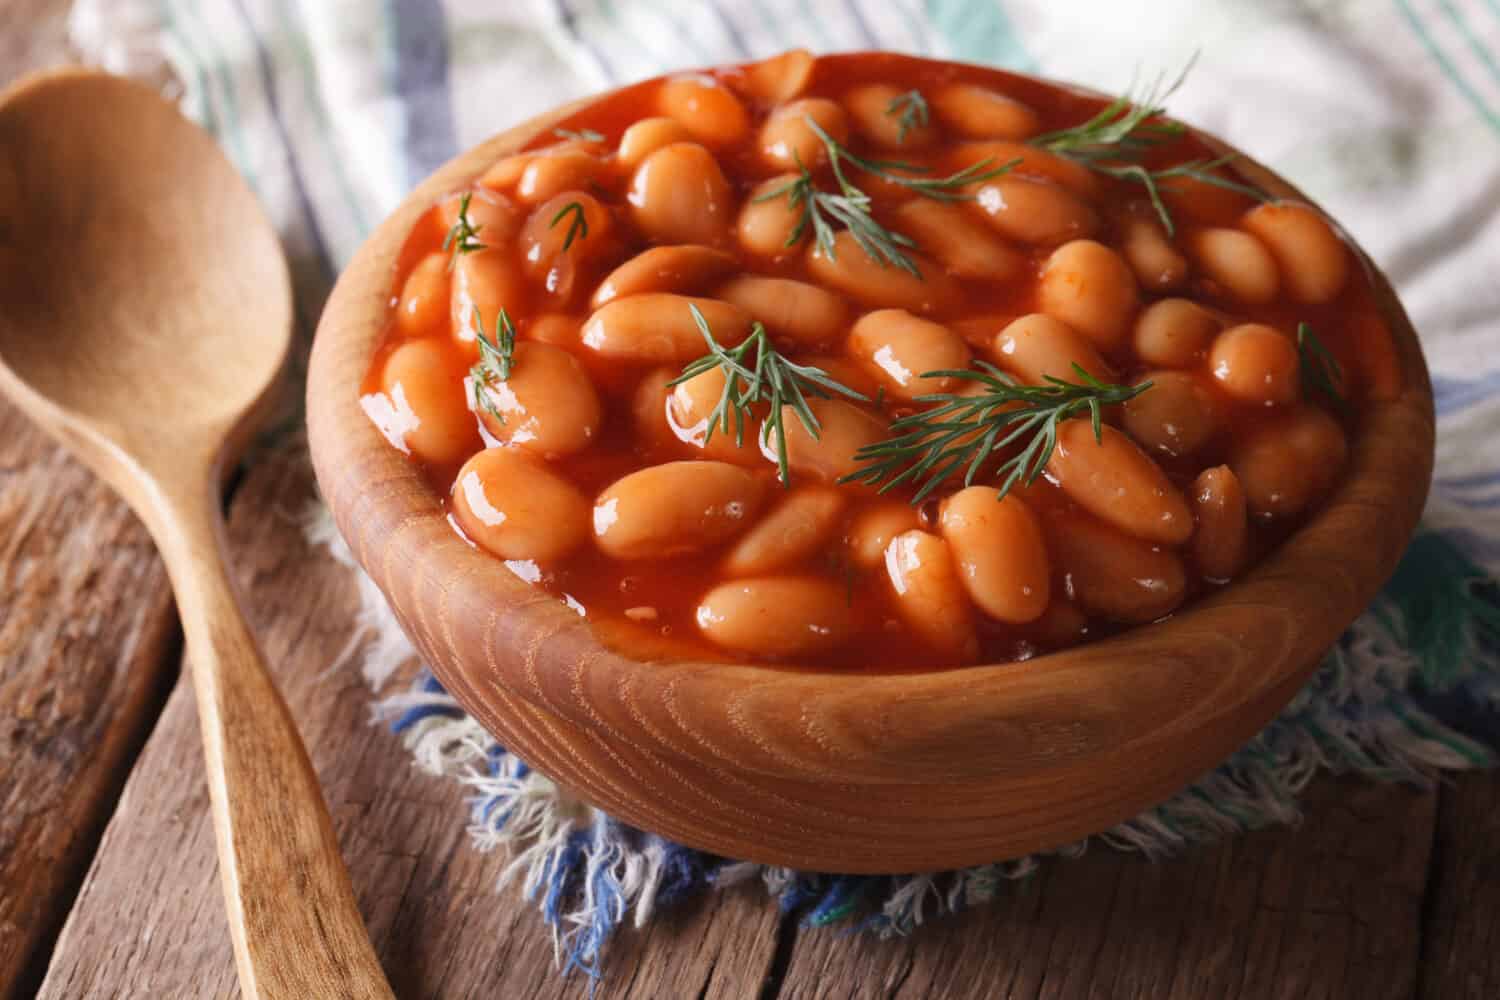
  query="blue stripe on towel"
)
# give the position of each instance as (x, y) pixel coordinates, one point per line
(979, 32)
(1446, 64)
(422, 85)
(1451, 394)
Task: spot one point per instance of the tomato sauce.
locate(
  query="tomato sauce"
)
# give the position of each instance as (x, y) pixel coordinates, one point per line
(651, 606)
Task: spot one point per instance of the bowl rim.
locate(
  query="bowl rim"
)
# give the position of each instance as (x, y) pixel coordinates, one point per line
(1141, 689)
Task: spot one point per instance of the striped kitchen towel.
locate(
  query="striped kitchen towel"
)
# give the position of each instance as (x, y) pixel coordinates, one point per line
(1385, 111)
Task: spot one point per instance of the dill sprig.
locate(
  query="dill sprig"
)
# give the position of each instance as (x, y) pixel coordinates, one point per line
(849, 206)
(496, 358)
(463, 235)
(755, 373)
(1152, 181)
(913, 176)
(1320, 370)
(1124, 128)
(578, 227)
(960, 432)
(582, 134)
(910, 111)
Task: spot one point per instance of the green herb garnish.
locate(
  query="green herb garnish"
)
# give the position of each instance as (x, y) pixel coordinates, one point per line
(1123, 131)
(910, 111)
(1124, 128)
(496, 358)
(578, 228)
(849, 206)
(1199, 170)
(463, 235)
(755, 373)
(928, 447)
(1320, 370)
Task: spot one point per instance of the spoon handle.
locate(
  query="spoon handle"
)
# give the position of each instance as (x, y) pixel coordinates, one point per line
(296, 927)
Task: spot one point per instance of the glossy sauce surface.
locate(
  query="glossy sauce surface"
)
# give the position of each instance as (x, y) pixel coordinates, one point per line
(599, 486)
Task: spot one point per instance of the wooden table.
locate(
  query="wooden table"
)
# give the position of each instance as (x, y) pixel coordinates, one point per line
(107, 883)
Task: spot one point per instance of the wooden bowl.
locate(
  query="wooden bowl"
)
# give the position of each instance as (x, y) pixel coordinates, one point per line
(838, 771)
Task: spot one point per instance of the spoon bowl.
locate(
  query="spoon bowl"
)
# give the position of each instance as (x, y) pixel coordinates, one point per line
(145, 313)
(145, 294)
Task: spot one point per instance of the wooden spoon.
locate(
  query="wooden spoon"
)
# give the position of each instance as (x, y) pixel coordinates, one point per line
(145, 313)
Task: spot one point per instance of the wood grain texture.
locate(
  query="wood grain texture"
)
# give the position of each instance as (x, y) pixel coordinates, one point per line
(86, 625)
(838, 770)
(101, 257)
(150, 923)
(1332, 909)
(1461, 941)
(86, 630)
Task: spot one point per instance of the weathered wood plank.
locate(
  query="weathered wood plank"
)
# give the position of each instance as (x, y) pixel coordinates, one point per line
(85, 631)
(86, 634)
(1461, 948)
(148, 921)
(1333, 909)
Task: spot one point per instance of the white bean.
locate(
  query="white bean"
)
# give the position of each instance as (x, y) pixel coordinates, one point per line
(796, 312)
(1314, 262)
(1222, 542)
(1156, 261)
(901, 348)
(855, 273)
(690, 413)
(1090, 287)
(779, 616)
(873, 527)
(844, 428)
(1113, 479)
(1177, 416)
(779, 78)
(1288, 462)
(787, 141)
(928, 594)
(426, 411)
(1000, 551)
(705, 108)
(1236, 262)
(1036, 346)
(512, 505)
(1035, 211)
(799, 525)
(767, 220)
(980, 113)
(1174, 333)
(659, 327)
(548, 404)
(870, 107)
(647, 136)
(966, 248)
(679, 195)
(675, 508)
(423, 304)
(679, 269)
(1112, 574)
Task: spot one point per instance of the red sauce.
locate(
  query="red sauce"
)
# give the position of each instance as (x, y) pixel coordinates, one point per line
(606, 588)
